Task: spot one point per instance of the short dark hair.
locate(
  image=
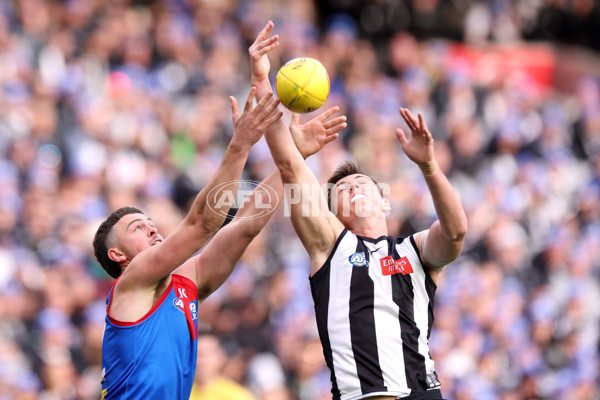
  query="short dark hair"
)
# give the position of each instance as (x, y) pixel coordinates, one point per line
(346, 169)
(100, 249)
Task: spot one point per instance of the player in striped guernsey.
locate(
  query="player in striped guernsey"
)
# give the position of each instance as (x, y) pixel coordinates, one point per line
(373, 293)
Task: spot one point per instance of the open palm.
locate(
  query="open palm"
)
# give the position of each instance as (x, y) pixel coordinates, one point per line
(419, 147)
(316, 133)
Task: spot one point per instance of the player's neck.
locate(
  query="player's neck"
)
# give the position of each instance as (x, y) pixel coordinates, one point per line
(371, 228)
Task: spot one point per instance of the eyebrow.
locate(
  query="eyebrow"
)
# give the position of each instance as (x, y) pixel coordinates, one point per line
(358, 176)
(136, 220)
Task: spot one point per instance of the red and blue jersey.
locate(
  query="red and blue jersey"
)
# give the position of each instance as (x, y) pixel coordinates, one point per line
(154, 357)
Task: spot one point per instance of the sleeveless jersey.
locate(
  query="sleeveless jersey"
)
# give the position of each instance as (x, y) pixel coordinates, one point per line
(154, 357)
(374, 309)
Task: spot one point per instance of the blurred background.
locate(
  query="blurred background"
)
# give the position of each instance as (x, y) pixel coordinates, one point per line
(106, 103)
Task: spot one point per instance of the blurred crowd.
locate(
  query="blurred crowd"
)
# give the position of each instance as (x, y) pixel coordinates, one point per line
(570, 22)
(106, 103)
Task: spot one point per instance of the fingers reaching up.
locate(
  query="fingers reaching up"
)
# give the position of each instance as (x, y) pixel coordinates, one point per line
(259, 62)
(251, 124)
(416, 125)
(419, 146)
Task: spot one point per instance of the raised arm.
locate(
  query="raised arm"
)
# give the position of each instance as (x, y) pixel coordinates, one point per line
(248, 129)
(315, 225)
(151, 266)
(443, 243)
(219, 258)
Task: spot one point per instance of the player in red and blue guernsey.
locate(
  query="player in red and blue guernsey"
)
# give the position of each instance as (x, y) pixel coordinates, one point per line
(149, 345)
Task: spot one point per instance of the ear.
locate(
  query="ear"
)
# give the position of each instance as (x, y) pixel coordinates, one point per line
(116, 255)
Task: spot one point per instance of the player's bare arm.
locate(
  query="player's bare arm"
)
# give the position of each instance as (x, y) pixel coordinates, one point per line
(445, 238)
(220, 256)
(222, 253)
(147, 273)
(316, 227)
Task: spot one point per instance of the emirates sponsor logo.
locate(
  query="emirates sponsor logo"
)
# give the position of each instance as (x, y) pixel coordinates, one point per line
(389, 266)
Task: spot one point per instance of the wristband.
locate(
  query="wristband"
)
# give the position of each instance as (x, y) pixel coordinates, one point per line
(430, 168)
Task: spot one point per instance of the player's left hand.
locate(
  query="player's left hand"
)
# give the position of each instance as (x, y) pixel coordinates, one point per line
(316, 133)
(419, 147)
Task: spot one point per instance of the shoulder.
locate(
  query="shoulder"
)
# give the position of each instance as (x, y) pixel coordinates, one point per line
(187, 270)
(420, 238)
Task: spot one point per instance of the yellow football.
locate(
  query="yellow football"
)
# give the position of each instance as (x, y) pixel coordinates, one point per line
(302, 85)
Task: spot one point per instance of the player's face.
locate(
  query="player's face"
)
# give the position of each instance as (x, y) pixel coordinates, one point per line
(135, 233)
(358, 196)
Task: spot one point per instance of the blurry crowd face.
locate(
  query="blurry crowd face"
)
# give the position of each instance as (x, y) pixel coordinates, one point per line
(210, 359)
(75, 146)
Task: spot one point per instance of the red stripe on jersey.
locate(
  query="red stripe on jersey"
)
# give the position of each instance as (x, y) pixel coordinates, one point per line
(186, 290)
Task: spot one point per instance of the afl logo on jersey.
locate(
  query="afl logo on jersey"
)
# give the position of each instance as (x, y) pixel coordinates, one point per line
(358, 259)
(179, 304)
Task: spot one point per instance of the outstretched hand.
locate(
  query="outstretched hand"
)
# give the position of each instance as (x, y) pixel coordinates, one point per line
(316, 133)
(250, 125)
(259, 62)
(419, 148)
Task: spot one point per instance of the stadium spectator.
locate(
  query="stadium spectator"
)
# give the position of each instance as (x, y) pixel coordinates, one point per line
(77, 141)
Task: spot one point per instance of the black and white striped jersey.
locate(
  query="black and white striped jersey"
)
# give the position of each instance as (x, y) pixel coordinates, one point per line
(374, 309)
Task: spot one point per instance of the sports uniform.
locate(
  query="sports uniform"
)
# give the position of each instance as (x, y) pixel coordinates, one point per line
(154, 357)
(374, 309)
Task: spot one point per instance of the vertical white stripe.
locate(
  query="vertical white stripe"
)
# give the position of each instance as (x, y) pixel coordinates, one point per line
(388, 328)
(338, 323)
(420, 304)
(389, 342)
